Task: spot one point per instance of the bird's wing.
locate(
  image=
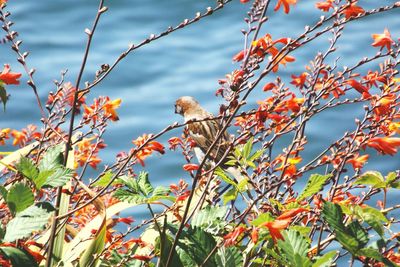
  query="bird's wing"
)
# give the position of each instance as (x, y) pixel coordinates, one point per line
(204, 134)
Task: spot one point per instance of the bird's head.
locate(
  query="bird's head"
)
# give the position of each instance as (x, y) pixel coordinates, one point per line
(186, 105)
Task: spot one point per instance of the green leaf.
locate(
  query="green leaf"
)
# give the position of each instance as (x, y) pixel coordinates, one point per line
(359, 233)
(294, 248)
(3, 95)
(27, 168)
(18, 257)
(229, 256)
(208, 216)
(262, 218)
(19, 197)
(31, 219)
(372, 178)
(59, 177)
(334, 216)
(161, 191)
(94, 248)
(41, 179)
(256, 154)
(104, 180)
(373, 217)
(230, 195)
(325, 260)
(129, 182)
(247, 148)
(391, 181)
(52, 159)
(376, 255)
(3, 192)
(129, 197)
(242, 185)
(314, 185)
(144, 184)
(221, 173)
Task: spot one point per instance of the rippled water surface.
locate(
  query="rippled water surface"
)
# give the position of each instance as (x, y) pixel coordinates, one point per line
(187, 62)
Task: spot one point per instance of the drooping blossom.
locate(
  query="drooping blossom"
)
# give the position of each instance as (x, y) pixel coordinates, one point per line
(8, 77)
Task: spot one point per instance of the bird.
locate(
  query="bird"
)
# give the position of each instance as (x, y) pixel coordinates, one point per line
(203, 132)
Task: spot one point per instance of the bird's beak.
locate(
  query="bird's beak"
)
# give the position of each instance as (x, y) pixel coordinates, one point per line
(178, 109)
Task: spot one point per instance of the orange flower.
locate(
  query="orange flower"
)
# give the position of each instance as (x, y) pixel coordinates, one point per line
(385, 104)
(359, 87)
(239, 56)
(281, 59)
(110, 106)
(382, 40)
(357, 161)
(231, 238)
(353, 10)
(286, 5)
(19, 138)
(254, 235)
(275, 228)
(9, 77)
(148, 149)
(190, 167)
(325, 6)
(269, 86)
(142, 257)
(385, 145)
(300, 80)
(4, 134)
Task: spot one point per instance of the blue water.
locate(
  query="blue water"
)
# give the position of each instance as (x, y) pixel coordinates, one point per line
(187, 62)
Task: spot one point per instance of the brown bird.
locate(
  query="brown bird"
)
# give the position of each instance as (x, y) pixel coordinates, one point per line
(204, 133)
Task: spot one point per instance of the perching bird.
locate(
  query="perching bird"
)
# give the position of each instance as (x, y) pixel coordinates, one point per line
(204, 132)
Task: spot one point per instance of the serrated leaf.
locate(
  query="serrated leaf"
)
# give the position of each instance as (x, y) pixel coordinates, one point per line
(27, 168)
(52, 159)
(208, 215)
(229, 256)
(129, 197)
(18, 257)
(161, 191)
(19, 197)
(221, 173)
(31, 219)
(242, 185)
(294, 248)
(129, 182)
(373, 217)
(376, 255)
(358, 232)
(256, 154)
(247, 148)
(41, 179)
(104, 180)
(59, 177)
(158, 198)
(391, 181)
(262, 218)
(144, 184)
(314, 185)
(334, 216)
(372, 178)
(325, 260)
(230, 195)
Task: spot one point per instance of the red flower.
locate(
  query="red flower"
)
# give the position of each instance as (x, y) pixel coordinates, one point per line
(190, 167)
(324, 6)
(9, 77)
(269, 86)
(383, 39)
(231, 238)
(385, 145)
(286, 5)
(359, 87)
(142, 257)
(300, 80)
(353, 10)
(358, 161)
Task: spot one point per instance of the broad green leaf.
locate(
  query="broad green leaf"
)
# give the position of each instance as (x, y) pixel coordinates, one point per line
(373, 217)
(19, 197)
(3, 192)
(358, 232)
(129, 197)
(18, 257)
(3, 95)
(347, 241)
(391, 181)
(242, 185)
(104, 180)
(230, 195)
(27, 168)
(52, 159)
(294, 248)
(247, 148)
(372, 178)
(208, 216)
(334, 216)
(94, 248)
(256, 154)
(262, 218)
(41, 179)
(144, 184)
(154, 198)
(325, 260)
(161, 191)
(314, 185)
(31, 219)
(229, 256)
(129, 182)
(375, 254)
(221, 173)
(59, 177)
